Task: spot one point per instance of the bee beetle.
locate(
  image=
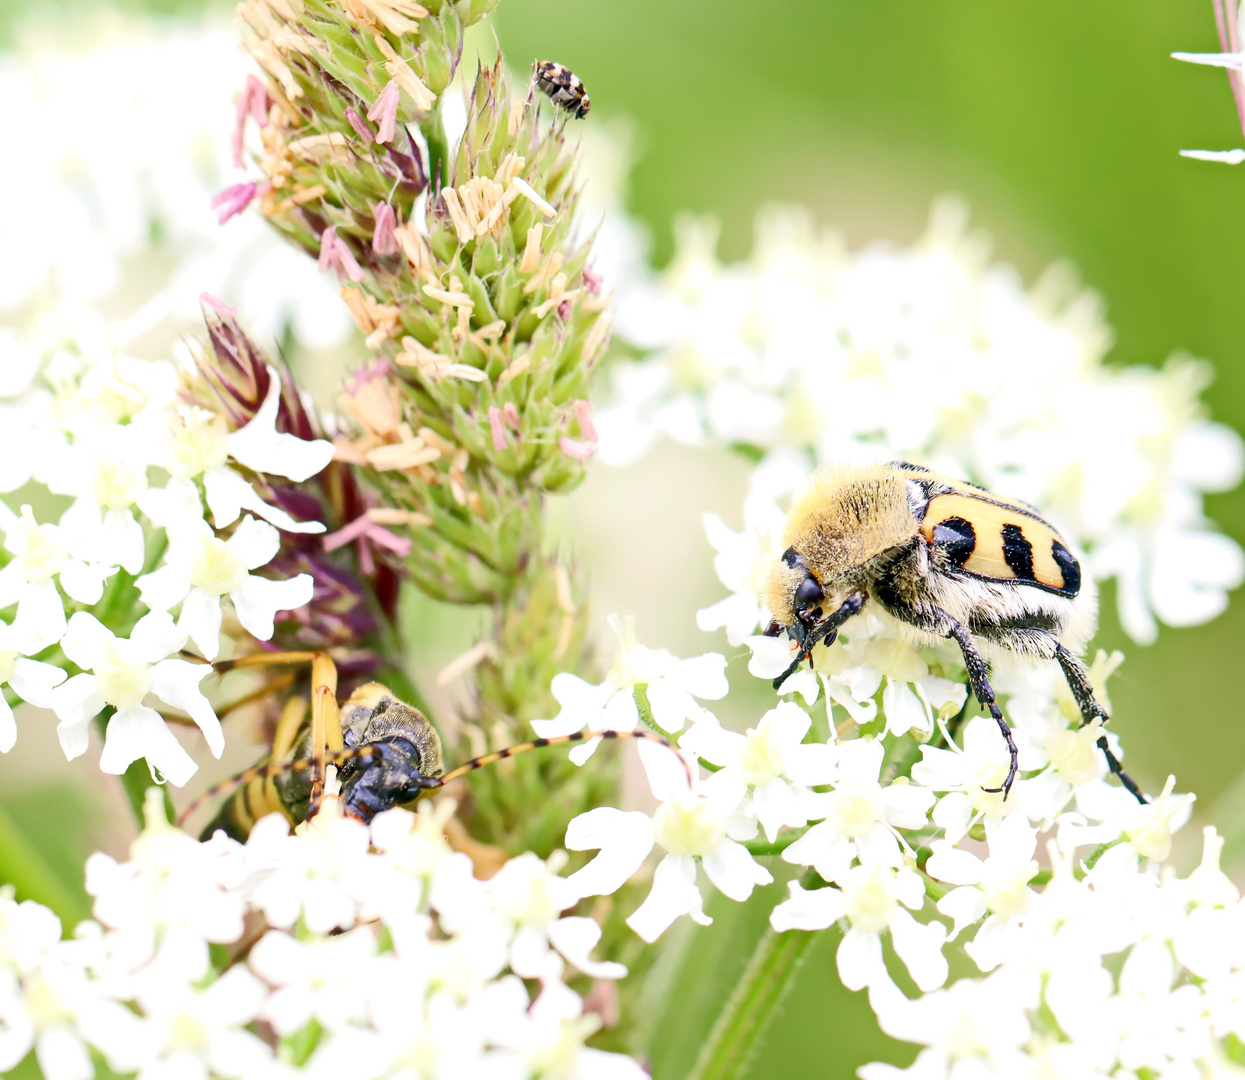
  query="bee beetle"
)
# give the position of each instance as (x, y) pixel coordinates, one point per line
(562, 86)
(940, 558)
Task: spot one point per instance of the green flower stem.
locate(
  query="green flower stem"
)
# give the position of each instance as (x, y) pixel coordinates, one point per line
(640, 693)
(935, 890)
(764, 847)
(766, 981)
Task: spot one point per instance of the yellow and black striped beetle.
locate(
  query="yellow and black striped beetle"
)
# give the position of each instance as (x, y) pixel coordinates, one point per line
(386, 752)
(941, 559)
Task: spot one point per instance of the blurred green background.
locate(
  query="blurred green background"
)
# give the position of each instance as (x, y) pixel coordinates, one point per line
(1061, 123)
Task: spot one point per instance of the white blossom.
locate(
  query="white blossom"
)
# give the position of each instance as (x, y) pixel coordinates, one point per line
(861, 819)
(121, 672)
(200, 570)
(41, 557)
(769, 768)
(200, 445)
(873, 899)
(689, 828)
(670, 685)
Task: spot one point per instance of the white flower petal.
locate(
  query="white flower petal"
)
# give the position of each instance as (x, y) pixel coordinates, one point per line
(733, 870)
(860, 959)
(671, 704)
(34, 681)
(40, 619)
(76, 702)
(261, 447)
(965, 905)
(228, 494)
(176, 507)
(156, 636)
(828, 851)
(254, 542)
(87, 641)
(575, 937)
(703, 676)
(85, 581)
(674, 893)
(905, 711)
(177, 683)
(121, 541)
(624, 838)
(200, 620)
(139, 732)
(163, 588)
(259, 599)
(808, 909)
(948, 863)
(920, 948)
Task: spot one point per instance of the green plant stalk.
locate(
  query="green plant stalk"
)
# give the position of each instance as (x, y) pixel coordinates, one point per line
(766, 981)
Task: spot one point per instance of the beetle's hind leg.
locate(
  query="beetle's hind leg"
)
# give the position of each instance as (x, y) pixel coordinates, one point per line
(1078, 682)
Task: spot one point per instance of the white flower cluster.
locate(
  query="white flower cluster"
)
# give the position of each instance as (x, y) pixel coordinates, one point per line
(334, 952)
(132, 183)
(109, 434)
(1103, 960)
(812, 354)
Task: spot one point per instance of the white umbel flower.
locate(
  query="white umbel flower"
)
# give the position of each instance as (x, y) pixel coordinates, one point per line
(690, 829)
(671, 686)
(42, 555)
(861, 818)
(873, 899)
(200, 570)
(200, 445)
(769, 768)
(121, 672)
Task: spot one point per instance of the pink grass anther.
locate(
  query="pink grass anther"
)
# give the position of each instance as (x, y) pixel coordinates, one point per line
(359, 124)
(499, 430)
(1230, 40)
(512, 416)
(581, 451)
(593, 282)
(218, 305)
(384, 111)
(253, 101)
(233, 200)
(334, 253)
(383, 240)
(366, 532)
(583, 413)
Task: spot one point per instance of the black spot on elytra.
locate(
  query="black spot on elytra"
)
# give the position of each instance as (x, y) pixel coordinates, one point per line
(956, 538)
(1068, 566)
(1017, 552)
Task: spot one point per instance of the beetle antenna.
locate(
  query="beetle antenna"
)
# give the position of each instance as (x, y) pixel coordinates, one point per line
(429, 783)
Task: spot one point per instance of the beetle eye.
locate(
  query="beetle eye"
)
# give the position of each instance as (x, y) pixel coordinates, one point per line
(808, 593)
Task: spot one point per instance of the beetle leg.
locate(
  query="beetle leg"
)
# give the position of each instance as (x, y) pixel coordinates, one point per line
(979, 681)
(1078, 682)
(826, 630)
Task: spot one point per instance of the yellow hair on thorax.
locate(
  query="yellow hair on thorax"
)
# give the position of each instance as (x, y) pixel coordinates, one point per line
(849, 515)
